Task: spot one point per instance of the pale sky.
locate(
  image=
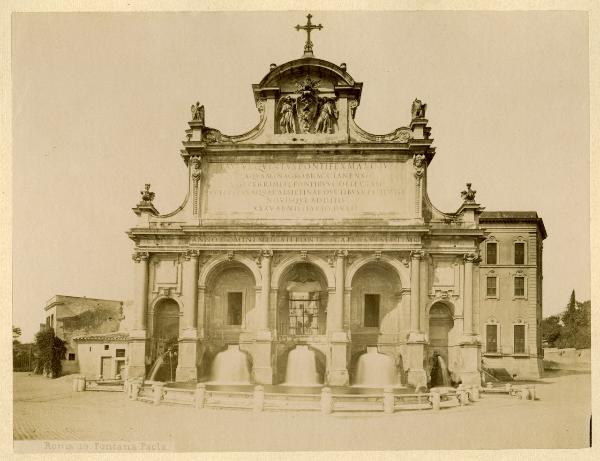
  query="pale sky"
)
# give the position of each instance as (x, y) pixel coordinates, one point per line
(101, 102)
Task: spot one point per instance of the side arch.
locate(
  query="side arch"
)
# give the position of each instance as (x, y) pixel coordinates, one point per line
(288, 262)
(401, 271)
(212, 264)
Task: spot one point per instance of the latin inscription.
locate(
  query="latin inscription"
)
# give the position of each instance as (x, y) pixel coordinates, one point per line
(305, 190)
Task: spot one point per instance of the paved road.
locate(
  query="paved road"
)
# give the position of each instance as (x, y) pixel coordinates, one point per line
(48, 410)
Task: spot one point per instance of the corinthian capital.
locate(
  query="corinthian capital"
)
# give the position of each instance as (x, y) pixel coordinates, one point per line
(417, 254)
(341, 253)
(189, 254)
(471, 258)
(138, 256)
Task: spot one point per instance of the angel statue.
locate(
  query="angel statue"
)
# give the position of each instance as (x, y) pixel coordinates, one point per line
(286, 120)
(327, 116)
(198, 113)
(418, 109)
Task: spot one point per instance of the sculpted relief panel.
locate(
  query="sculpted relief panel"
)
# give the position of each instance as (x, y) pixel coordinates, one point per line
(338, 190)
(306, 111)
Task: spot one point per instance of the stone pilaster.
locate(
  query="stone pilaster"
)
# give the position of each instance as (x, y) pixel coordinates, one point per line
(415, 345)
(470, 347)
(188, 341)
(138, 335)
(262, 366)
(337, 371)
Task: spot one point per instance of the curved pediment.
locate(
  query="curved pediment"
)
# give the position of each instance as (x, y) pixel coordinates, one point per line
(292, 71)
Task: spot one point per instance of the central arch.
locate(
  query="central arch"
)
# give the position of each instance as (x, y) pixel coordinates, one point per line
(302, 297)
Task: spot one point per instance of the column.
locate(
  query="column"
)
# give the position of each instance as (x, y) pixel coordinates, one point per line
(469, 347)
(262, 369)
(468, 295)
(190, 291)
(337, 371)
(415, 291)
(137, 342)
(338, 305)
(263, 316)
(415, 345)
(188, 342)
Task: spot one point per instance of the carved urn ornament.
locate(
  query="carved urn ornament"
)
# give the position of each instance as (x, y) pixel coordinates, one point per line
(468, 195)
(147, 195)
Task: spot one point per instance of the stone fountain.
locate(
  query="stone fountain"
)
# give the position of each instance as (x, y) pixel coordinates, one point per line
(230, 367)
(302, 368)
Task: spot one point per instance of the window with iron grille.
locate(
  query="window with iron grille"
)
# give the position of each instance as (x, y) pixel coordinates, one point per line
(371, 318)
(519, 253)
(491, 338)
(519, 335)
(519, 286)
(120, 353)
(234, 308)
(71, 356)
(491, 287)
(492, 253)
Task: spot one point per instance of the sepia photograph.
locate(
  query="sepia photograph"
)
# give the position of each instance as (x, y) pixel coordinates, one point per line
(300, 231)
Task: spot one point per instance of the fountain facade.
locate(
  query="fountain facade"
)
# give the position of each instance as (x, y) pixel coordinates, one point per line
(230, 367)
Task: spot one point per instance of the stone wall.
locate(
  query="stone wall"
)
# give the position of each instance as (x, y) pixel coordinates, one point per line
(567, 359)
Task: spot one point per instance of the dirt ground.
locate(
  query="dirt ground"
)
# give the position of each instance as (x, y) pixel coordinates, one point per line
(50, 417)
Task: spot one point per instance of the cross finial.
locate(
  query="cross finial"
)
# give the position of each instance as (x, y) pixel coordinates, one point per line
(308, 50)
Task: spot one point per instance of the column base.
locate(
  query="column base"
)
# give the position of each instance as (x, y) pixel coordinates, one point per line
(416, 375)
(337, 370)
(470, 373)
(338, 378)
(416, 378)
(261, 349)
(186, 374)
(187, 358)
(137, 354)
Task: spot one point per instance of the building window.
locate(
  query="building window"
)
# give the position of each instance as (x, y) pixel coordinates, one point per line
(106, 346)
(492, 289)
(234, 308)
(519, 337)
(71, 356)
(491, 338)
(520, 287)
(519, 253)
(371, 311)
(120, 353)
(492, 253)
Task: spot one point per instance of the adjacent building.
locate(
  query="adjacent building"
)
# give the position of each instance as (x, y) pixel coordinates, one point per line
(72, 316)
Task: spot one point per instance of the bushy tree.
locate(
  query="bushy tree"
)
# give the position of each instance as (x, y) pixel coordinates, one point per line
(49, 350)
(551, 330)
(571, 328)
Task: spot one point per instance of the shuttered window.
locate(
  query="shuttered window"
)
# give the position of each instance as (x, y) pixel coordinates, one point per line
(519, 253)
(491, 287)
(492, 253)
(491, 338)
(519, 335)
(519, 286)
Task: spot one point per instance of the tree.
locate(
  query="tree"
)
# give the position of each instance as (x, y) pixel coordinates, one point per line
(16, 332)
(50, 350)
(551, 330)
(571, 328)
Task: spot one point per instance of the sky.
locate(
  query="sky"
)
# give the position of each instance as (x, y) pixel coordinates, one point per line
(101, 102)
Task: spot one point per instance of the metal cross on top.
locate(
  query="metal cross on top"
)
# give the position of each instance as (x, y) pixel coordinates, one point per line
(308, 50)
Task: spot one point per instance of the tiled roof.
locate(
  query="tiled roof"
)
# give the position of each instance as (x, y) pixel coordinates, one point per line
(103, 337)
(514, 216)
